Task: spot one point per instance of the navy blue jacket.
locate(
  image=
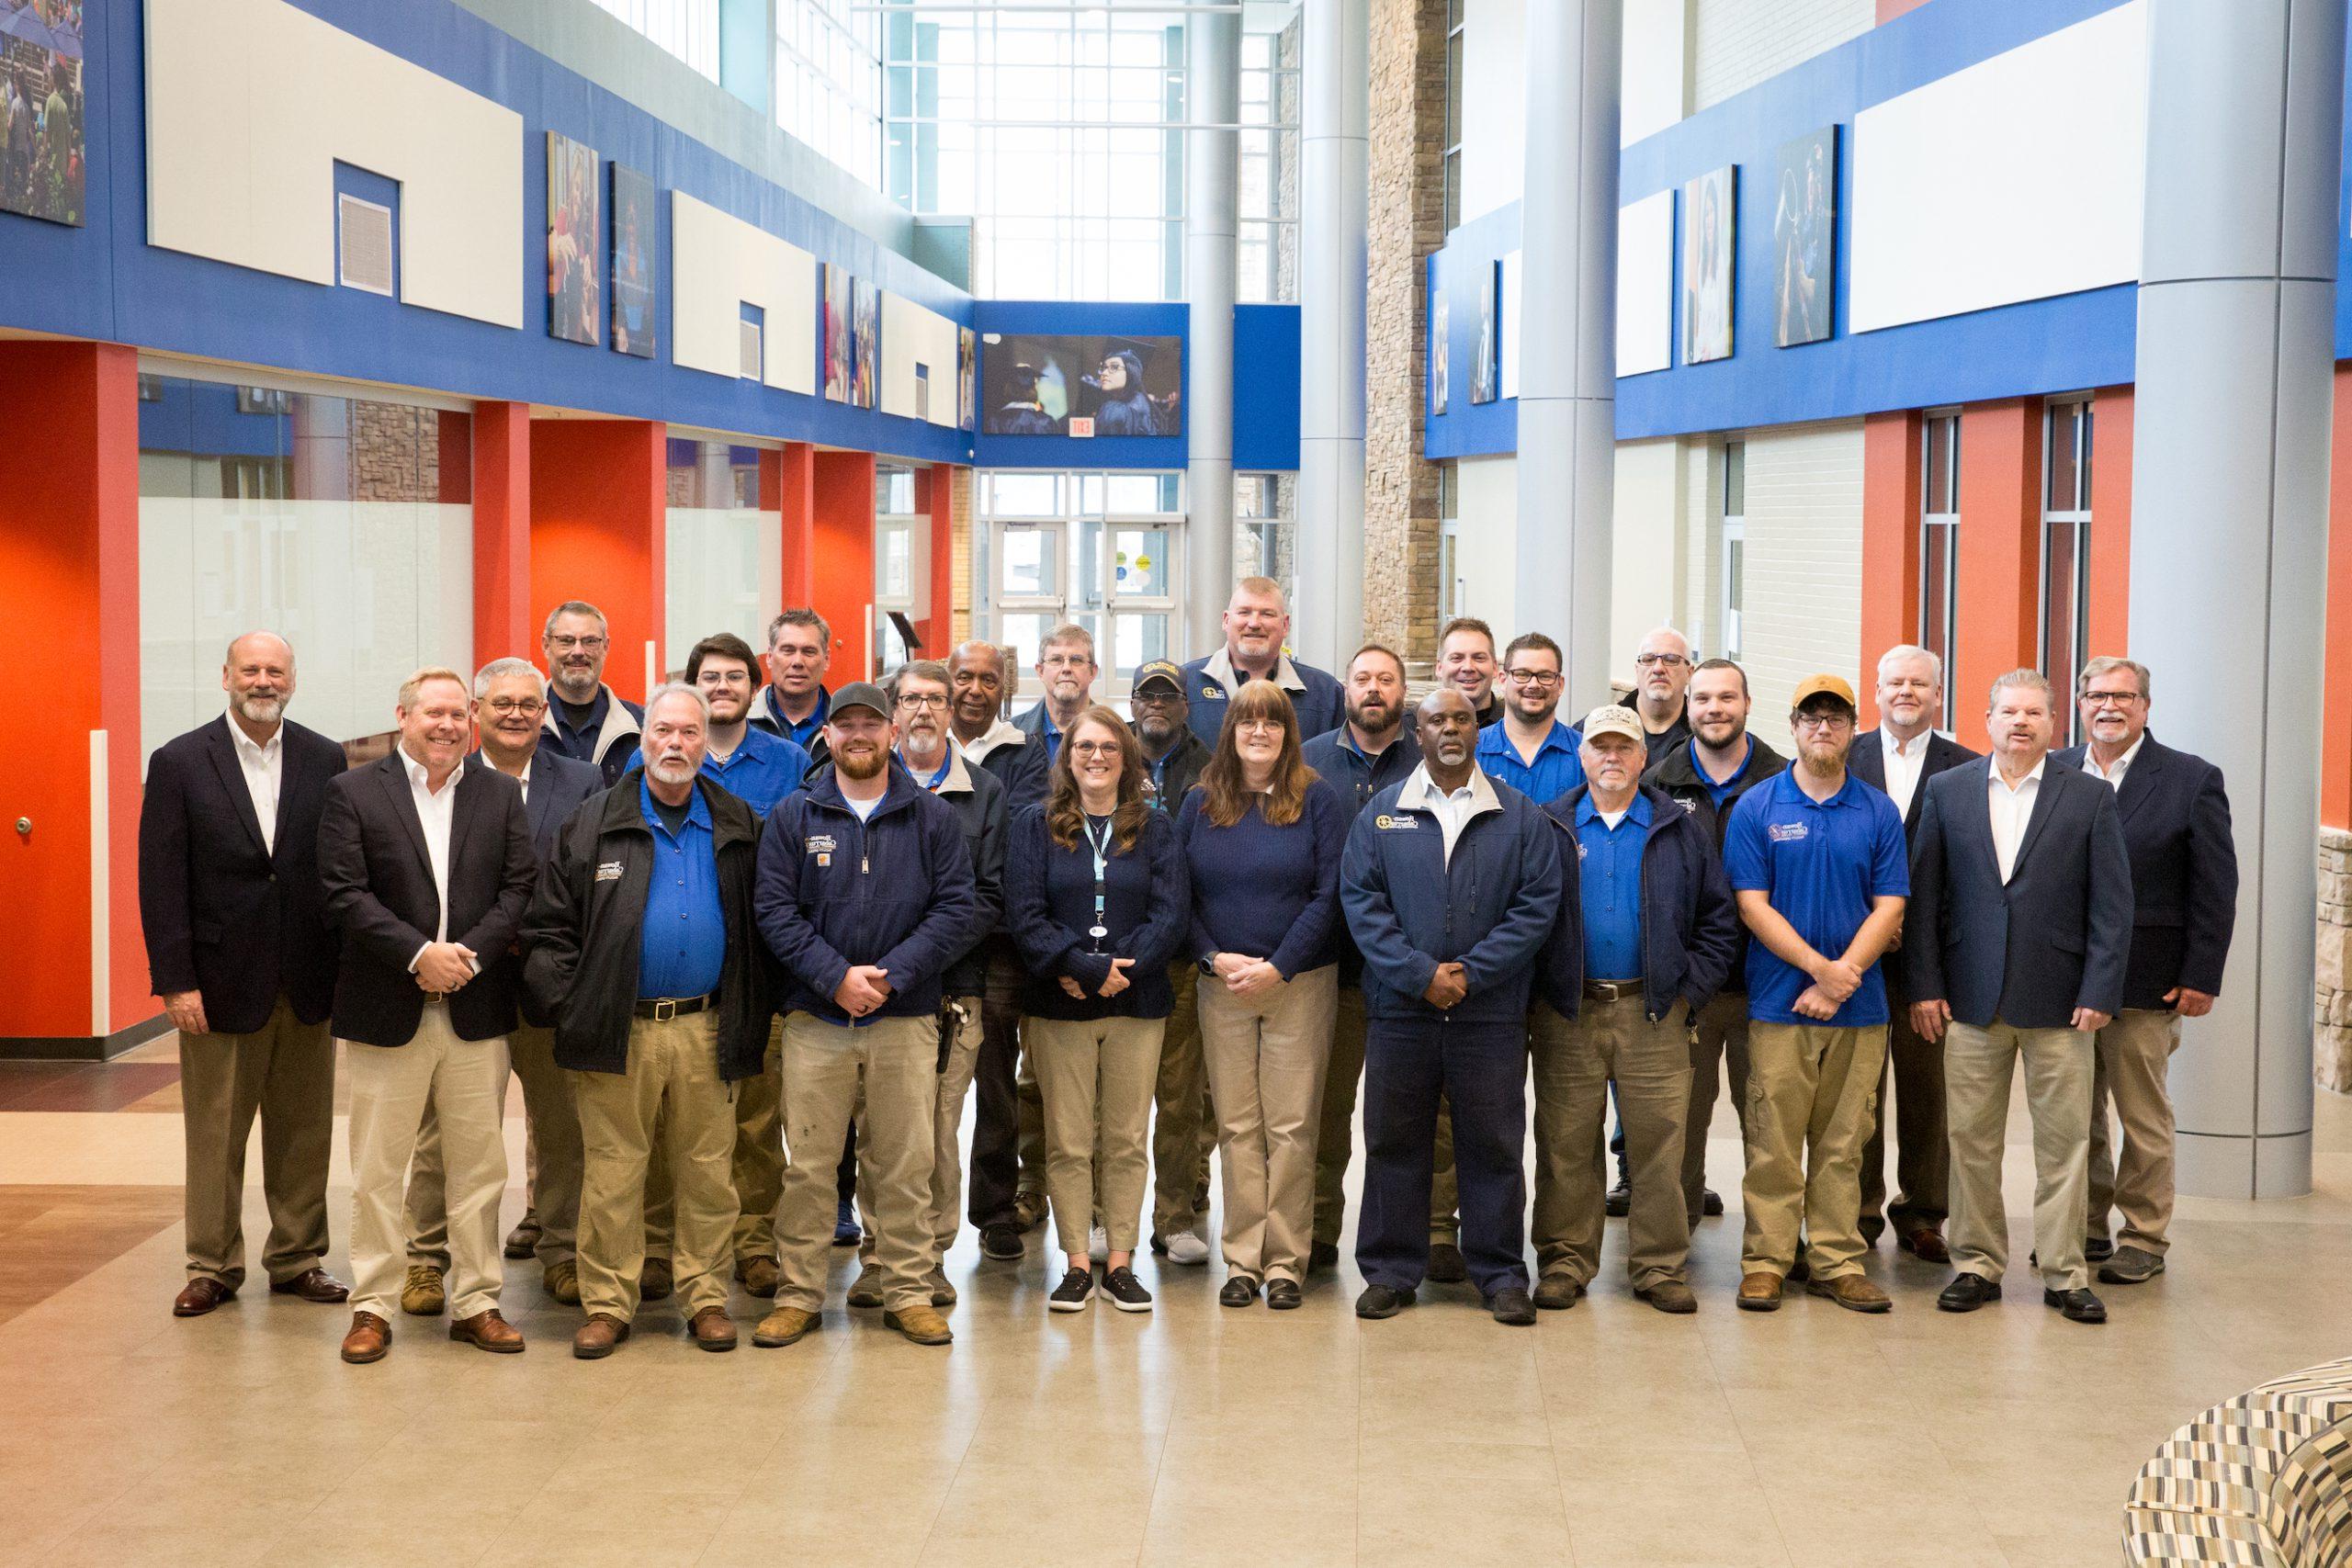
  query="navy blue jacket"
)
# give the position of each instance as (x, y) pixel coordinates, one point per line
(1490, 908)
(1358, 778)
(2051, 938)
(1321, 707)
(1146, 916)
(1269, 892)
(895, 890)
(2184, 871)
(1690, 926)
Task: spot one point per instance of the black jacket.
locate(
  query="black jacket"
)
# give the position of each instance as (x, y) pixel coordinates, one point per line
(2053, 938)
(582, 936)
(1675, 775)
(558, 784)
(2183, 872)
(223, 917)
(380, 893)
(1179, 773)
(1690, 930)
(1867, 761)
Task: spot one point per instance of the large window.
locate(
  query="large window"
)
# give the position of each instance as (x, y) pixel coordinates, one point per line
(2066, 552)
(829, 81)
(1453, 114)
(1265, 510)
(687, 29)
(1734, 549)
(899, 560)
(1100, 549)
(1268, 236)
(1452, 591)
(344, 524)
(1939, 549)
(724, 555)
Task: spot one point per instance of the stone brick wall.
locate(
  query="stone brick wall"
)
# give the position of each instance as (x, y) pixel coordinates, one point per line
(1285, 113)
(1407, 222)
(395, 452)
(959, 530)
(2331, 1043)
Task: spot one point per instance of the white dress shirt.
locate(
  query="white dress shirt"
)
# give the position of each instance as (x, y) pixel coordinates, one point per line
(2113, 777)
(1905, 761)
(2011, 810)
(435, 811)
(1453, 810)
(265, 769)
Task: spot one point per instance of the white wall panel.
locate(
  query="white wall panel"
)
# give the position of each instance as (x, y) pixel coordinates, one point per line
(1486, 545)
(250, 104)
(1494, 108)
(719, 264)
(1656, 80)
(2017, 179)
(1646, 285)
(913, 335)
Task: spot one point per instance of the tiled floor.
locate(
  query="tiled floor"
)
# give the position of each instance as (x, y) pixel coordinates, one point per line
(1606, 1434)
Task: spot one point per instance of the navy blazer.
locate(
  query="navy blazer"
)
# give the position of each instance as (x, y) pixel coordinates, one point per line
(560, 784)
(2183, 872)
(223, 917)
(2053, 938)
(1867, 761)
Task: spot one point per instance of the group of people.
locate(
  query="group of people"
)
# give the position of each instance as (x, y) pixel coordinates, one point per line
(751, 947)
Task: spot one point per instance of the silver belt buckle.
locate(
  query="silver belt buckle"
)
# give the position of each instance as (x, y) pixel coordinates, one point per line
(664, 1011)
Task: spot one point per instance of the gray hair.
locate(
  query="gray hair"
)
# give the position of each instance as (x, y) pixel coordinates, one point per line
(1902, 650)
(2099, 667)
(930, 670)
(679, 689)
(2032, 679)
(574, 607)
(501, 669)
(1689, 648)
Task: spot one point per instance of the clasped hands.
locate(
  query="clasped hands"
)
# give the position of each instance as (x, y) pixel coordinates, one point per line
(1244, 976)
(1111, 986)
(443, 967)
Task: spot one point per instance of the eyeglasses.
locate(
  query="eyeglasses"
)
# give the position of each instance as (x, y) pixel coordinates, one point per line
(1830, 721)
(1093, 747)
(1156, 698)
(1257, 727)
(529, 707)
(921, 700)
(1668, 659)
(566, 644)
(2109, 699)
(1536, 678)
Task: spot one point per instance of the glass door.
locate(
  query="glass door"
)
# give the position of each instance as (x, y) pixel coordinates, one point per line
(1098, 550)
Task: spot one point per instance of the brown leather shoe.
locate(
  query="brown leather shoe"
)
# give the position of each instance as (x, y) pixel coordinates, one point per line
(1672, 1297)
(599, 1336)
(657, 1281)
(422, 1293)
(488, 1331)
(760, 1276)
(1855, 1293)
(1925, 1243)
(785, 1326)
(712, 1329)
(313, 1285)
(200, 1295)
(562, 1280)
(920, 1324)
(369, 1338)
(1759, 1292)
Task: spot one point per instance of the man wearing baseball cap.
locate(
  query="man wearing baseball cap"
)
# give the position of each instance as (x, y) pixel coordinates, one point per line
(1817, 863)
(866, 894)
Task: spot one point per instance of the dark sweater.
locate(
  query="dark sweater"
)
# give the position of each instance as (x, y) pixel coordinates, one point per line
(1049, 903)
(1269, 892)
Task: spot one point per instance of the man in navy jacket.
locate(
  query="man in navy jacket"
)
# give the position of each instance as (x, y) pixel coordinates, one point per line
(867, 896)
(2185, 901)
(1257, 620)
(1451, 885)
(2020, 930)
(1645, 937)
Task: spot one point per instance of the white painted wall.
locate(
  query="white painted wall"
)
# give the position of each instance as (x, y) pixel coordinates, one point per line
(250, 104)
(719, 264)
(1494, 109)
(1655, 87)
(1735, 44)
(913, 335)
(1646, 285)
(1645, 556)
(1486, 545)
(1804, 600)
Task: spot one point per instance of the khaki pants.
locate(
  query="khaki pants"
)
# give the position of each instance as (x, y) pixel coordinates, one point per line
(284, 1072)
(1978, 1065)
(1031, 1141)
(2134, 1053)
(894, 1063)
(1812, 1091)
(1719, 1037)
(1267, 1054)
(554, 1160)
(1335, 1133)
(1574, 1065)
(1096, 1079)
(1922, 1142)
(942, 1217)
(757, 1168)
(1185, 1127)
(466, 1081)
(671, 1095)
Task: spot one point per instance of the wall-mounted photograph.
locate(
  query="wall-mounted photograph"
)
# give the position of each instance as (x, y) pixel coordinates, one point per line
(1804, 238)
(1486, 368)
(968, 378)
(1710, 230)
(865, 371)
(1440, 353)
(834, 335)
(40, 110)
(575, 241)
(1110, 385)
(632, 262)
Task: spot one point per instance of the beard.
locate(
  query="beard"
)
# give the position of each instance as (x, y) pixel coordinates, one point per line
(860, 766)
(260, 710)
(672, 770)
(1375, 720)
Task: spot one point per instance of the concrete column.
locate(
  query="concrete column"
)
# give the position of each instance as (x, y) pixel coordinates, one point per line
(1566, 337)
(2229, 526)
(1212, 206)
(1334, 147)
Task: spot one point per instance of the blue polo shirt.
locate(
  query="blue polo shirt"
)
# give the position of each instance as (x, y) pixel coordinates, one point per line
(1821, 863)
(1609, 871)
(683, 946)
(761, 771)
(1723, 791)
(803, 733)
(1555, 771)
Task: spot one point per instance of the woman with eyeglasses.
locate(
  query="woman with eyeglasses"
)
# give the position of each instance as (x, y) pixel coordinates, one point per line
(1263, 837)
(1096, 896)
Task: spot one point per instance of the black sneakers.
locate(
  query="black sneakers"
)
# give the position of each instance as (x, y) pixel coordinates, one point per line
(1001, 1242)
(1071, 1294)
(1127, 1292)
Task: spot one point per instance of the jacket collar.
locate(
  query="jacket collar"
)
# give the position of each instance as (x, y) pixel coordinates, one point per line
(1419, 793)
(957, 781)
(824, 789)
(624, 811)
(618, 721)
(1003, 732)
(1219, 667)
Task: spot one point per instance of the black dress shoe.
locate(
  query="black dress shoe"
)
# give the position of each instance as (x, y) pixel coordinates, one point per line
(1283, 1295)
(1512, 1305)
(1967, 1293)
(1001, 1241)
(313, 1285)
(1238, 1292)
(1710, 1200)
(2098, 1248)
(1323, 1255)
(1446, 1265)
(1619, 1202)
(1379, 1301)
(2076, 1306)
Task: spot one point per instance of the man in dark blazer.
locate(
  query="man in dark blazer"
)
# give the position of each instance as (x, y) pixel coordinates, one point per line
(239, 950)
(510, 701)
(2184, 896)
(427, 866)
(1899, 757)
(2019, 926)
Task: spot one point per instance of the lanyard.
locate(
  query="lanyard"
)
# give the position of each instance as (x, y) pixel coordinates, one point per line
(1100, 843)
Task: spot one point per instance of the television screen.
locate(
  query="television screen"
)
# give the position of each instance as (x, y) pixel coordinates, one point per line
(1092, 385)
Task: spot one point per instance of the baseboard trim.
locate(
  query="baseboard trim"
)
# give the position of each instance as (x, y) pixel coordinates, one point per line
(83, 1047)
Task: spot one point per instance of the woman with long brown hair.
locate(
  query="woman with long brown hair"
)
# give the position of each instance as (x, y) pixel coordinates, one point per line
(1096, 897)
(1261, 838)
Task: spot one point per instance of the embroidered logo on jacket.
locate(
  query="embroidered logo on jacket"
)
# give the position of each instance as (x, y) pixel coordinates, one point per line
(1388, 824)
(609, 871)
(1786, 832)
(821, 843)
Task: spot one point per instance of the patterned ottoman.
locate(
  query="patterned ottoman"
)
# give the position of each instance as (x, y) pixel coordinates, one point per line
(2263, 1480)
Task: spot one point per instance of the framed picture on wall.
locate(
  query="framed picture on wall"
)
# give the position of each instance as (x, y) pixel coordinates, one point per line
(1440, 353)
(834, 335)
(41, 145)
(1486, 369)
(967, 384)
(632, 262)
(1804, 238)
(1710, 241)
(866, 330)
(575, 241)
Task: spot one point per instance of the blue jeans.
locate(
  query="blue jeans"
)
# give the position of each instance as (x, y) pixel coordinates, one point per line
(1481, 1069)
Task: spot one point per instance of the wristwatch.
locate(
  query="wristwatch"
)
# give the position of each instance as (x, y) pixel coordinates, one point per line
(1208, 967)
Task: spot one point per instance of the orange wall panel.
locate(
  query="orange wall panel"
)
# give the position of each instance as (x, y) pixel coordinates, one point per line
(2107, 633)
(1890, 459)
(938, 499)
(504, 623)
(596, 506)
(2000, 531)
(841, 566)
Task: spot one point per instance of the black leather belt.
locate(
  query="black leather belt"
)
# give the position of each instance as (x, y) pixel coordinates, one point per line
(663, 1009)
(1611, 990)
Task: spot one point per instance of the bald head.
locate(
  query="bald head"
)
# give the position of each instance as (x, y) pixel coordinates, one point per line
(258, 675)
(1661, 670)
(1447, 727)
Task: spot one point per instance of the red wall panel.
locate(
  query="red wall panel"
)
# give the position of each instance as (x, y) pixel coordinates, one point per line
(596, 507)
